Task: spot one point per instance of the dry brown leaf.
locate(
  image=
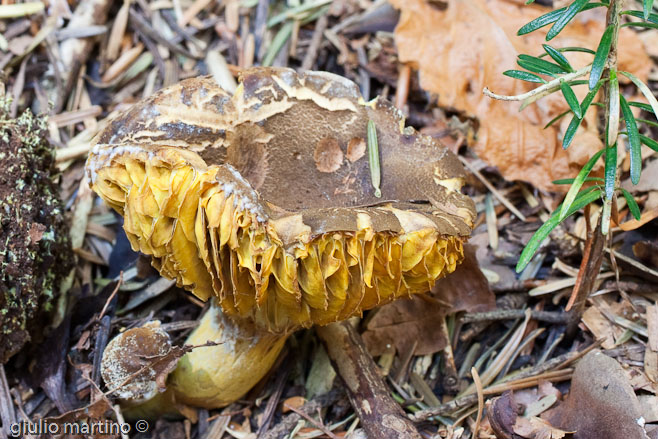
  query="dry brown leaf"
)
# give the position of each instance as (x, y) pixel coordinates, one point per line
(649, 404)
(328, 156)
(356, 149)
(294, 402)
(601, 327)
(601, 402)
(458, 68)
(537, 428)
(647, 252)
(419, 319)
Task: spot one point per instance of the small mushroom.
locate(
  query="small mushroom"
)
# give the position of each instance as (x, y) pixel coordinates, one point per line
(249, 199)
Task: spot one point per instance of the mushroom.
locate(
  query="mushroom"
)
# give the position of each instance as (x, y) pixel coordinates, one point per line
(266, 200)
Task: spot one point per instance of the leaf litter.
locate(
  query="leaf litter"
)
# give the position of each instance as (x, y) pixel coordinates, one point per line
(92, 62)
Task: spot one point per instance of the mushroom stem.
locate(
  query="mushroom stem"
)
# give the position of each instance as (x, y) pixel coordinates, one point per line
(215, 376)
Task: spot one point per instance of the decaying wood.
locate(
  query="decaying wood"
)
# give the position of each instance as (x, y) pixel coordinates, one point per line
(380, 415)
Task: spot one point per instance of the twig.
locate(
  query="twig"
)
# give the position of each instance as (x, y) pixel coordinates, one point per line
(480, 394)
(144, 26)
(7, 413)
(556, 317)
(316, 41)
(381, 417)
(549, 87)
(587, 276)
(523, 379)
(274, 399)
(75, 51)
(319, 425)
(288, 422)
(493, 190)
(114, 293)
(102, 338)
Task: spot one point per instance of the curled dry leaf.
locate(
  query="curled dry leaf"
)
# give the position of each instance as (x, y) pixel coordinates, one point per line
(502, 413)
(459, 68)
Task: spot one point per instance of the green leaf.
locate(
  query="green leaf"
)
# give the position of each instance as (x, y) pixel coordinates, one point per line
(558, 57)
(570, 132)
(571, 180)
(653, 18)
(577, 184)
(571, 99)
(648, 141)
(575, 122)
(601, 56)
(632, 204)
(645, 91)
(641, 24)
(634, 140)
(610, 170)
(539, 65)
(565, 18)
(578, 82)
(539, 22)
(550, 17)
(277, 43)
(648, 122)
(373, 157)
(571, 49)
(647, 6)
(642, 105)
(612, 128)
(524, 76)
(531, 247)
(556, 118)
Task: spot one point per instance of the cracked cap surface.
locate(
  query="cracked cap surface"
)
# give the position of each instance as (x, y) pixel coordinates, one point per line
(265, 199)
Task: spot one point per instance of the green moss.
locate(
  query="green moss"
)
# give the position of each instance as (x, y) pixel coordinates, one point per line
(34, 247)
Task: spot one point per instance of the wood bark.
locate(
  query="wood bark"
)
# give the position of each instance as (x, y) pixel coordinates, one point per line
(381, 417)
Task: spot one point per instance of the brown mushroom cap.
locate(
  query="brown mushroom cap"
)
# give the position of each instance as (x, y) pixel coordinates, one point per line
(251, 198)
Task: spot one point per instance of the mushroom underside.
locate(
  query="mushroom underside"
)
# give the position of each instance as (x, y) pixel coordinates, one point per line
(265, 198)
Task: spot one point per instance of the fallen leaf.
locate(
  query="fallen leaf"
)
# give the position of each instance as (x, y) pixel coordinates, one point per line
(601, 402)
(328, 156)
(467, 289)
(537, 428)
(36, 232)
(294, 402)
(601, 327)
(649, 167)
(649, 405)
(502, 413)
(356, 149)
(647, 252)
(419, 319)
(458, 68)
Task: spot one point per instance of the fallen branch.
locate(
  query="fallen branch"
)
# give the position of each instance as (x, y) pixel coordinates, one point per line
(547, 88)
(381, 417)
